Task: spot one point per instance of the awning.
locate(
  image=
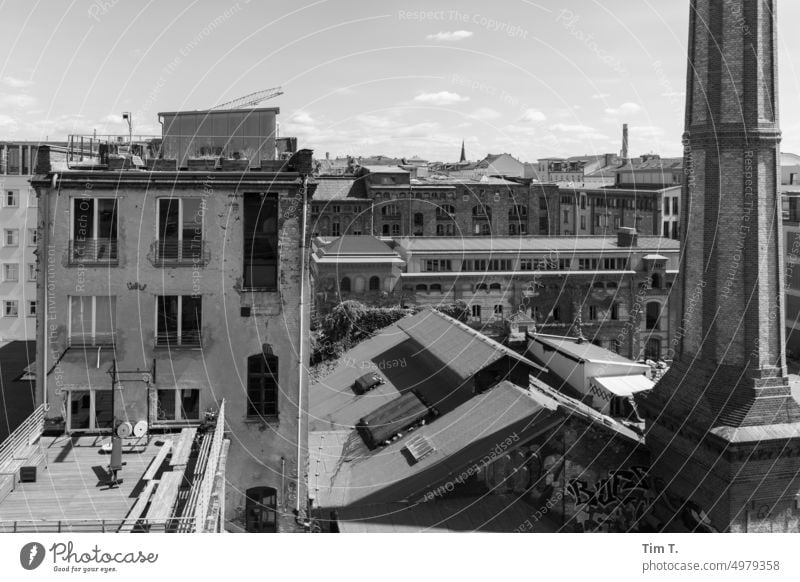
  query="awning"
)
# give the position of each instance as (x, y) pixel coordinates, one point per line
(624, 385)
(83, 369)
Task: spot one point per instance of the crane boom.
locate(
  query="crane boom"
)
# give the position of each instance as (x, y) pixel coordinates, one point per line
(250, 99)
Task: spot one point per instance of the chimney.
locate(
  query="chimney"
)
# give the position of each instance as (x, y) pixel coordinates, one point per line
(627, 237)
(624, 143)
(327, 155)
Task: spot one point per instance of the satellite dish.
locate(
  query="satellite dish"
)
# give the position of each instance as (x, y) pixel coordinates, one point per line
(140, 428)
(124, 430)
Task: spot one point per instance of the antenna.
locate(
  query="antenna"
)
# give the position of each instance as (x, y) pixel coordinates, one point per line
(251, 99)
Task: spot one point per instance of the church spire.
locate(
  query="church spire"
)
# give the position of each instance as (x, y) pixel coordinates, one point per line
(463, 153)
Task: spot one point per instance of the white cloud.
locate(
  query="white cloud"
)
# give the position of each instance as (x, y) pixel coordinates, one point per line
(440, 98)
(15, 83)
(624, 109)
(533, 116)
(453, 36)
(20, 101)
(302, 118)
(484, 114)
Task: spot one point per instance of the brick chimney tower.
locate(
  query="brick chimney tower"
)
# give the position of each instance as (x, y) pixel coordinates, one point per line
(722, 426)
(624, 152)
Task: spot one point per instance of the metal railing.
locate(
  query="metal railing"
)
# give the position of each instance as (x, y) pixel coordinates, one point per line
(207, 484)
(174, 252)
(25, 434)
(101, 250)
(192, 338)
(172, 524)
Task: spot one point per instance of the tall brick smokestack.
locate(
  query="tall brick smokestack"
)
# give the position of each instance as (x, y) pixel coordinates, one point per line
(624, 154)
(722, 426)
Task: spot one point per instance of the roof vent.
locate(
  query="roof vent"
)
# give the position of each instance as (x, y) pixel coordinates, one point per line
(419, 447)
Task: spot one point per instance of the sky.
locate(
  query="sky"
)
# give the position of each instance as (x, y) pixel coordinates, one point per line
(534, 79)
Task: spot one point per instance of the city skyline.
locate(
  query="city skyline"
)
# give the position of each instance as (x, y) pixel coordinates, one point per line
(528, 78)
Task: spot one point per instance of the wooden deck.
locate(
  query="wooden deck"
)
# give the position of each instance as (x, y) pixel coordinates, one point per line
(73, 486)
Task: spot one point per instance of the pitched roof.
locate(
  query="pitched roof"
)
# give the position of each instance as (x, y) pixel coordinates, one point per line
(462, 349)
(332, 189)
(500, 417)
(584, 351)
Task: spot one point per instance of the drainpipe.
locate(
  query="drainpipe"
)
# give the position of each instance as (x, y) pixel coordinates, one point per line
(301, 350)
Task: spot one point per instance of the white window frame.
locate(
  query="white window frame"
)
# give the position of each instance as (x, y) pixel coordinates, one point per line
(180, 214)
(14, 233)
(16, 199)
(94, 316)
(95, 215)
(180, 320)
(33, 237)
(6, 267)
(8, 303)
(177, 412)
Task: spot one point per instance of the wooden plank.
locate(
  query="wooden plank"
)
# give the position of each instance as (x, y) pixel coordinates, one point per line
(138, 508)
(161, 508)
(181, 452)
(157, 461)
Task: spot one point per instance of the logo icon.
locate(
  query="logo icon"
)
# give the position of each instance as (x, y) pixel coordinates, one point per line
(31, 555)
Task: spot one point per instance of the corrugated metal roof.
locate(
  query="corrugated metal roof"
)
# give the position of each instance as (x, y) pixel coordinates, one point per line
(462, 349)
(504, 416)
(535, 243)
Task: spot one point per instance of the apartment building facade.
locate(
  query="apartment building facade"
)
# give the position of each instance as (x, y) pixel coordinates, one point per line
(165, 293)
(18, 227)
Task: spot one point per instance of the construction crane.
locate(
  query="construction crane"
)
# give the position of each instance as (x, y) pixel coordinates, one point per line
(251, 99)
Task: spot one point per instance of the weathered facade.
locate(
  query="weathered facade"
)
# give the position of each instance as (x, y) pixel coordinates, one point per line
(167, 292)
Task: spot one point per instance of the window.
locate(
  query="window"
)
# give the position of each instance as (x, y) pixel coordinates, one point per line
(498, 309)
(32, 272)
(10, 309)
(675, 234)
(448, 229)
(615, 312)
(178, 320)
(260, 509)
(666, 205)
(10, 272)
(445, 211)
(655, 281)
(593, 312)
(395, 230)
(262, 386)
(260, 242)
(31, 308)
(344, 286)
(435, 265)
(616, 222)
(675, 205)
(583, 201)
(33, 236)
(588, 264)
(666, 228)
(652, 350)
(526, 264)
(385, 230)
(92, 320)
(583, 222)
(336, 229)
(180, 230)
(482, 212)
(11, 237)
(336, 209)
(374, 284)
(476, 311)
(178, 404)
(652, 315)
(93, 230)
(544, 224)
(419, 219)
(390, 210)
(566, 217)
(11, 199)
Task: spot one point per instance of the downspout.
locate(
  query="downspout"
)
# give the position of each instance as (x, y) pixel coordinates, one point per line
(42, 295)
(301, 350)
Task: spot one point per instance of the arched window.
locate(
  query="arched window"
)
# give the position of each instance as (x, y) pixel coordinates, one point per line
(374, 284)
(652, 315)
(481, 287)
(423, 288)
(480, 211)
(436, 288)
(495, 287)
(389, 210)
(419, 219)
(345, 285)
(261, 504)
(262, 386)
(652, 350)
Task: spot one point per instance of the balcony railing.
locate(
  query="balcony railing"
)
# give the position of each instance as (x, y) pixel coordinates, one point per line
(97, 251)
(190, 253)
(184, 339)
